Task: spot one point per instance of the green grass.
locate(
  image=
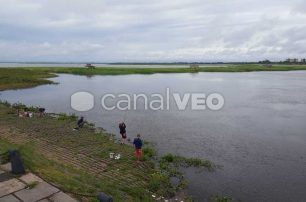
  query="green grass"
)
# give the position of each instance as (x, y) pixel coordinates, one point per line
(32, 185)
(57, 131)
(73, 180)
(4, 147)
(63, 173)
(167, 69)
(15, 78)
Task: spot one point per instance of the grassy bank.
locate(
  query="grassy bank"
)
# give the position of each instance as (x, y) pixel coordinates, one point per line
(167, 69)
(78, 161)
(14, 78)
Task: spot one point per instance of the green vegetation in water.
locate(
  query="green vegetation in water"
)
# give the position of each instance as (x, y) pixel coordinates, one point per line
(184, 162)
(220, 199)
(169, 166)
(149, 152)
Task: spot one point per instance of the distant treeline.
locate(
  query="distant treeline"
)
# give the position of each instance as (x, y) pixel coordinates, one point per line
(207, 63)
(287, 62)
(170, 63)
(179, 63)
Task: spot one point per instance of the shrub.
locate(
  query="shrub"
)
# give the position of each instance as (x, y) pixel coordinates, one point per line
(5, 103)
(149, 152)
(159, 183)
(63, 116)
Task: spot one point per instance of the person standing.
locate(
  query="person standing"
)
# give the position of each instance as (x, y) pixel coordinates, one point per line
(138, 147)
(122, 128)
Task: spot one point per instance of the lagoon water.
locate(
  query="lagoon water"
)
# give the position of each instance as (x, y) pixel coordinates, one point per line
(258, 138)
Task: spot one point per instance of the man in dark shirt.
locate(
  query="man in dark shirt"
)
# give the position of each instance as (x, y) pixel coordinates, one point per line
(138, 145)
(122, 128)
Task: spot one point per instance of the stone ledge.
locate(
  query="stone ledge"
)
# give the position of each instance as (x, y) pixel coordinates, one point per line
(6, 167)
(30, 178)
(41, 191)
(10, 186)
(9, 198)
(61, 196)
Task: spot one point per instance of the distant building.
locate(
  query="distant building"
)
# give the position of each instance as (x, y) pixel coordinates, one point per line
(267, 65)
(90, 66)
(194, 66)
(303, 60)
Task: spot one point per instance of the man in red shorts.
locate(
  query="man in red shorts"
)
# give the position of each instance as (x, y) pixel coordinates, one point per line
(138, 145)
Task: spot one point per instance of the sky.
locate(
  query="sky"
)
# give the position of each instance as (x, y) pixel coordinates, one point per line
(152, 31)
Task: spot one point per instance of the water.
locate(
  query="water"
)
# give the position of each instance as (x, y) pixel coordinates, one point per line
(258, 138)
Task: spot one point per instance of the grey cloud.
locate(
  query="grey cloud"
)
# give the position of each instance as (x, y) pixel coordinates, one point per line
(136, 30)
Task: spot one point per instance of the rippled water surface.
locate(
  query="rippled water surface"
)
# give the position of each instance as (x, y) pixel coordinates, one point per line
(258, 138)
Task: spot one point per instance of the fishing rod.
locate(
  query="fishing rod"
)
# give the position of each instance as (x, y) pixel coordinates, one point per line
(124, 116)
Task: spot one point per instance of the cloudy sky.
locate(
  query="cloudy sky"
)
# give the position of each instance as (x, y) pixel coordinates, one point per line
(152, 31)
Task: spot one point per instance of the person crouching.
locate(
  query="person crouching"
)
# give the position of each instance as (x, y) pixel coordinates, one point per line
(80, 123)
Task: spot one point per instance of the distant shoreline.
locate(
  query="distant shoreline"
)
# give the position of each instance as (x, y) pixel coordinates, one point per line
(26, 77)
